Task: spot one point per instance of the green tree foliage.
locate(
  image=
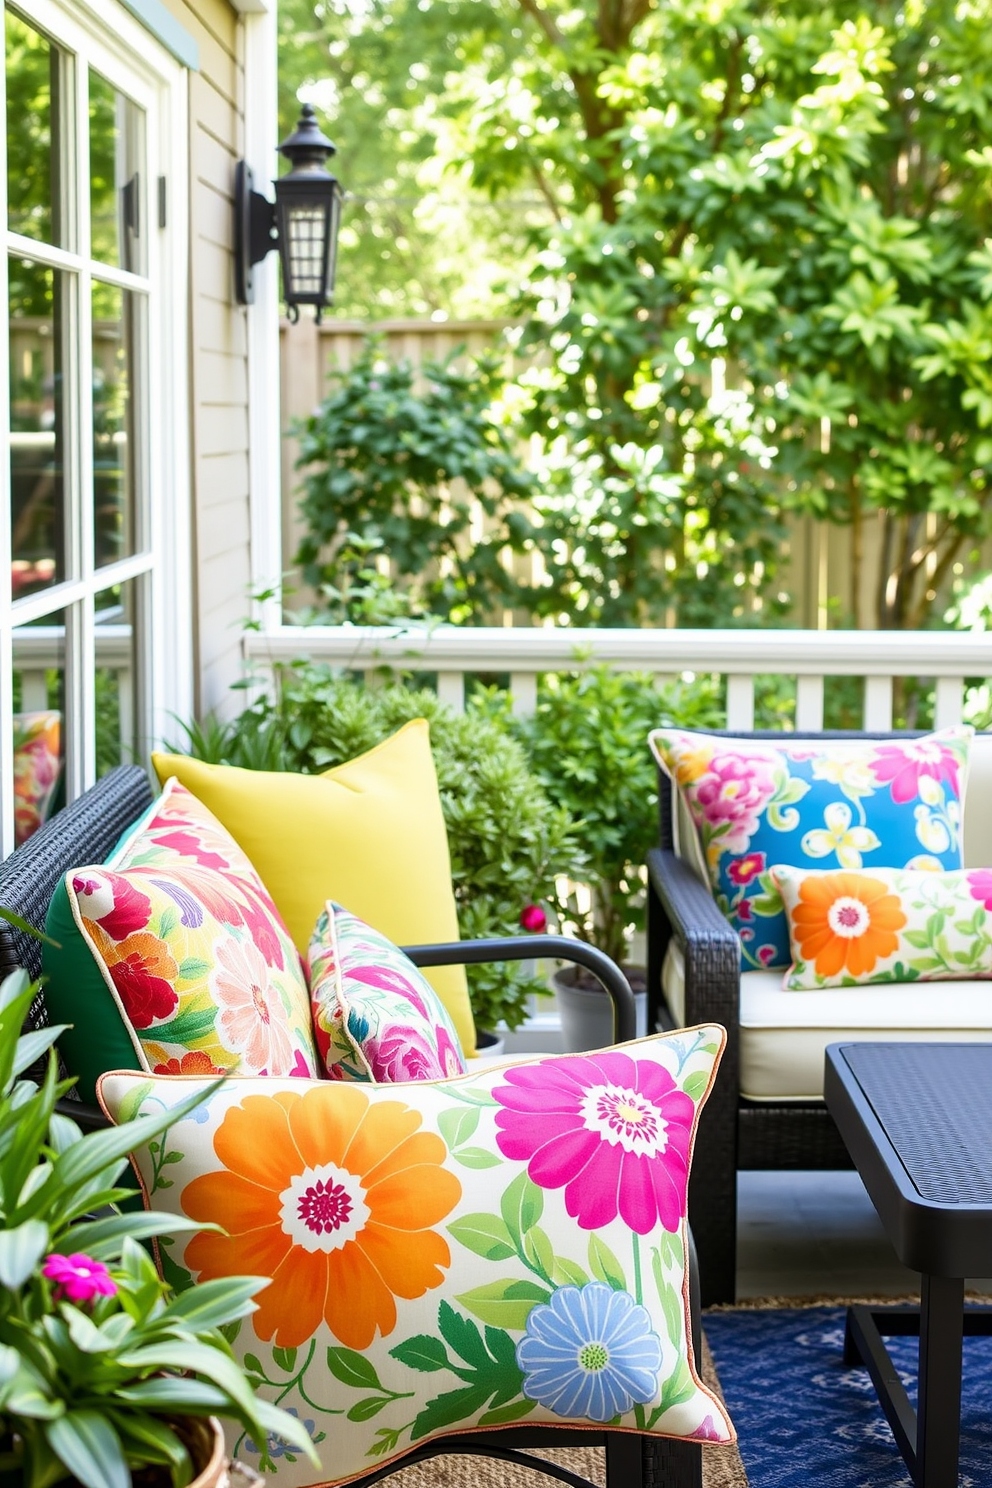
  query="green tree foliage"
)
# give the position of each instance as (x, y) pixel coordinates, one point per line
(766, 283)
(412, 471)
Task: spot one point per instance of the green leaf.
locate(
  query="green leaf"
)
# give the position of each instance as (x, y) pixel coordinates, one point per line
(521, 1206)
(211, 1303)
(504, 1413)
(90, 1448)
(604, 1264)
(21, 1250)
(477, 1157)
(285, 1359)
(567, 1273)
(352, 1369)
(423, 1353)
(695, 1085)
(485, 1235)
(193, 968)
(539, 1251)
(449, 1409)
(463, 1336)
(457, 1124)
(364, 1410)
(505, 1304)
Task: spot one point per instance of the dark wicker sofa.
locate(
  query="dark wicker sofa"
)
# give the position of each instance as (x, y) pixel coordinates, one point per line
(735, 1134)
(86, 832)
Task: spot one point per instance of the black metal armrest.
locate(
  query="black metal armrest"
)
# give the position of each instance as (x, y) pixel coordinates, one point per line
(527, 948)
(709, 945)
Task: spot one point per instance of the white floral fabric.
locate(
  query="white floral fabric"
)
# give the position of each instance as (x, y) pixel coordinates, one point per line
(506, 1246)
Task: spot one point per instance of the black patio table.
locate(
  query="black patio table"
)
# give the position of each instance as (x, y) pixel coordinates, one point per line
(917, 1121)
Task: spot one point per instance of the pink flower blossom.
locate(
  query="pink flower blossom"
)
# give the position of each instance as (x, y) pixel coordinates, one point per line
(767, 954)
(384, 979)
(612, 1131)
(78, 1277)
(449, 1052)
(532, 917)
(901, 766)
(744, 870)
(400, 1055)
(980, 886)
(743, 910)
(707, 1431)
(732, 795)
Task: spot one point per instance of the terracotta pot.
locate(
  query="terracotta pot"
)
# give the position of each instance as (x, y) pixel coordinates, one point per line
(205, 1440)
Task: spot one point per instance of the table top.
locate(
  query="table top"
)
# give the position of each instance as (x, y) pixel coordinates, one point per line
(917, 1121)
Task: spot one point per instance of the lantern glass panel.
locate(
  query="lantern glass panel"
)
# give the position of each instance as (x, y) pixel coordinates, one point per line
(306, 248)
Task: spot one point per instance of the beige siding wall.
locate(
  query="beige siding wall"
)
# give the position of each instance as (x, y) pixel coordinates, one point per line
(218, 352)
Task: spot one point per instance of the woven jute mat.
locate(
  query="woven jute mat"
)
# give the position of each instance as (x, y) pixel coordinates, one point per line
(722, 1466)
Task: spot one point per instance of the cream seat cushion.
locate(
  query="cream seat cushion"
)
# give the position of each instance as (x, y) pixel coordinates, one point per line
(784, 1034)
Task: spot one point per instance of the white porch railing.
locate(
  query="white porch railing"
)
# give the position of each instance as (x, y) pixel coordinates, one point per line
(809, 656)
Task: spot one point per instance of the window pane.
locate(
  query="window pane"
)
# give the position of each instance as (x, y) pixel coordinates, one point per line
(32, 131)
(39, 724)
(116, 722)
(37, 432)
(118, 186)
(117, 318)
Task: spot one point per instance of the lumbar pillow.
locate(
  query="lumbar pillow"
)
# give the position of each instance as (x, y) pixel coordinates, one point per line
(369, 834)
(886, 925)
(505, 1246)
(173, 958)
(375, 1015)
(849, 803)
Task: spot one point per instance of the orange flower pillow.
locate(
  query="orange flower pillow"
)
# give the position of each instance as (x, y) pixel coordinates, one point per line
(508, 1245)
(849, 927)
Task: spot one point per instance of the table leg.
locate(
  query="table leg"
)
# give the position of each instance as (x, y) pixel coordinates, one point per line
(939, 1412)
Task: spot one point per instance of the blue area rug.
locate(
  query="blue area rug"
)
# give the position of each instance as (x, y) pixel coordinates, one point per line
(804, 1420)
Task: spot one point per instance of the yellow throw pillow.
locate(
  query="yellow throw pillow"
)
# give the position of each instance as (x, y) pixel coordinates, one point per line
(368, 834)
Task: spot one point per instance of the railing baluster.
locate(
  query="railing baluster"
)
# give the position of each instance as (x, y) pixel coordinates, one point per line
(948, 702)
(451, 690)
(809, 704)
(878, 704)
(523, 693)
(740, 702)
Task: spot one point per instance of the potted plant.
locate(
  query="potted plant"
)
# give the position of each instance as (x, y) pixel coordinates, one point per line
(106, 1377)
(587, 744)
(508, 842)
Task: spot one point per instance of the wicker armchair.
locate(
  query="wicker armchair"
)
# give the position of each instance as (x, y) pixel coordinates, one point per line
(86, 832)
(736, 1133)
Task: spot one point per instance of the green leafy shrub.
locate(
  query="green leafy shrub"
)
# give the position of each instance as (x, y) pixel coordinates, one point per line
(508, 842)
(404, 471)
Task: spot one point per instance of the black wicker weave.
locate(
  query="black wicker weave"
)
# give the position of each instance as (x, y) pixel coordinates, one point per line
(85, 832)
(734, 1134)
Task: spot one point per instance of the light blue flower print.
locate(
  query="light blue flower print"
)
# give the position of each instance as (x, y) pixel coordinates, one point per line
(590, 1352)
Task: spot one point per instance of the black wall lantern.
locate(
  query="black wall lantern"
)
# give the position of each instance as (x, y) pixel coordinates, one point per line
(303, 222)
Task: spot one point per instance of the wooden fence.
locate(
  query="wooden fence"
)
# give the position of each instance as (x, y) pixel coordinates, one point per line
(818, 556)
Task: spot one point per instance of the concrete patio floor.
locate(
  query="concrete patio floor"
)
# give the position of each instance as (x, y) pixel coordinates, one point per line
(816, 1234)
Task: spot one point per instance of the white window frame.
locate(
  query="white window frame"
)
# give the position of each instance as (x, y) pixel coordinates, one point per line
(103, 35)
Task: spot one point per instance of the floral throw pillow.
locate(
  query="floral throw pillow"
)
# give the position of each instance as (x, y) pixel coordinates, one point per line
(375, 1016)
(507, 1246)
(173, 957)
(844, 803)
(887, 925)
(37, 770)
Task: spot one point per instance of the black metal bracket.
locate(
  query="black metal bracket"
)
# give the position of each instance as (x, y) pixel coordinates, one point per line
(254, 231)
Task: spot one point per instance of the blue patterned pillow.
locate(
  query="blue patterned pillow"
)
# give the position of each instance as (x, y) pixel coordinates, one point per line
(843, 803)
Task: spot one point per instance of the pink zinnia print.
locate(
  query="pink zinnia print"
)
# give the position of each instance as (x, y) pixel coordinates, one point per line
(400, 1055)
(901, 766)
(980, 886)
(731, 796)
(612, 1131)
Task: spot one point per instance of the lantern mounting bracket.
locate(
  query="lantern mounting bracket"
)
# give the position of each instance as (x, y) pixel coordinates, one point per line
(254, 231)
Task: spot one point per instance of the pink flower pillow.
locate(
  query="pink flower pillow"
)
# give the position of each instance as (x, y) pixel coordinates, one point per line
(375, 1016)
(172, 958)
(823, 803)
(37, 770)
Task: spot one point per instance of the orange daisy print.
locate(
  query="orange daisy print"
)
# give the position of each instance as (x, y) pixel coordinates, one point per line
(333, 1198)
(846, 921)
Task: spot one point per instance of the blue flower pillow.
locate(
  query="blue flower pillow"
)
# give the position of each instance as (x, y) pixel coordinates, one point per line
(831, 803)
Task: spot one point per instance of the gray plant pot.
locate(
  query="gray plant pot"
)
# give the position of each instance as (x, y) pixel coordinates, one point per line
(489, 1045)
(587, 1013)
